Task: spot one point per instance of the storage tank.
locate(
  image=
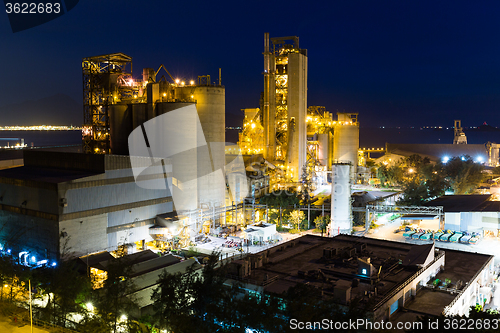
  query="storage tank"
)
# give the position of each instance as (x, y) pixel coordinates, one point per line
(341, 219)
(211, 108)
(346, 141)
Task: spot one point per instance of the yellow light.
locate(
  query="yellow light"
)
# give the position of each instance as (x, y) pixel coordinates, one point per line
(191, 82)
(183, 83)
(253, 125)
(164, 94)
(135, 96)
(192, 96)
(177, 81)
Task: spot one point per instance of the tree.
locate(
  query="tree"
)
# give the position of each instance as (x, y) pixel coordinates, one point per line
(307, 185)
(296, 218)
(463, 174)
(322, 222)
(280, 200)
(67, 288)
(114, 300)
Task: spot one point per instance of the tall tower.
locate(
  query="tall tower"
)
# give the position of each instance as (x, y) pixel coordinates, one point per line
(285, 103)
(459, 138)
(106, 80)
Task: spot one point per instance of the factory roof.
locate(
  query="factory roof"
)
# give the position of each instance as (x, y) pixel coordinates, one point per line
(437, 151)
(330, 264)
(44, 175)
(466, 203)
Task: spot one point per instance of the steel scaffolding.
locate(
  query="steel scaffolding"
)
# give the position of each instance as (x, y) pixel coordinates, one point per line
(107, 79)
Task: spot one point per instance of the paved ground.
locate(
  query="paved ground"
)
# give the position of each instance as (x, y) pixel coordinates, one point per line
(8, 326)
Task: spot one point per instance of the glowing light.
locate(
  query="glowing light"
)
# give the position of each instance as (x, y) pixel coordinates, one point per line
(479, 159)
(410, 170)
(177, 81)
(33, 258)
(89, 307)
(253, 125)
(462, 158)
(445, 159)
(164, 94)
(183, 83)
(192, 96)
(130, 82)
(191, 82)
(54, 264)
(123, 317)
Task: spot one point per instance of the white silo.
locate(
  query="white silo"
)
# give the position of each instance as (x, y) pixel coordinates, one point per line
(341, 219)
(346, 140)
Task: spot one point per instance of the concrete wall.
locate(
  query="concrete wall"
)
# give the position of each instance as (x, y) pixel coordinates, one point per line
(82, 236)
(20, 232)
(472, 221)
(410, 289)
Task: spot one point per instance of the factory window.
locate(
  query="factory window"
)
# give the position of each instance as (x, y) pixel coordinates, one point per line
(363, 271)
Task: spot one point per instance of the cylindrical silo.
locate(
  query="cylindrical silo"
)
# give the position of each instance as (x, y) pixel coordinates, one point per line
(341, 219)
(211, 107)
(346, 143)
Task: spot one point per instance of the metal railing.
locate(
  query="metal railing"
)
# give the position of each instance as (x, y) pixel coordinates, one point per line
(447, 309)
(398, 288)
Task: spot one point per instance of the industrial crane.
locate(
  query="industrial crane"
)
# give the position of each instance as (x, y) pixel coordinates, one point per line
(165, 71)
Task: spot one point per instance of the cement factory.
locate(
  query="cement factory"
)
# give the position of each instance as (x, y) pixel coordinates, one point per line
(154, 170)
(155, 179)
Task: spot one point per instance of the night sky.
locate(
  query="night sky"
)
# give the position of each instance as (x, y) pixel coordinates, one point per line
(397, 63)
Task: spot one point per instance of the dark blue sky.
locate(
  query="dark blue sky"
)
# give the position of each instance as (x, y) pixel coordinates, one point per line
(397, 63)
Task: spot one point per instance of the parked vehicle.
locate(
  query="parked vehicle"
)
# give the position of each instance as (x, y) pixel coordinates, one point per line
(456, 236)
(465, 238)
(427, 236)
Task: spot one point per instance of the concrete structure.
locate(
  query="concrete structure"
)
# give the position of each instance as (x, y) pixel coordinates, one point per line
(386, 276)
(470, 213)
(459, 137)
(143, 271)
(260, 232)
(285, 103)
(341, 214)
(435, 152)
(116, 103)
(77, 204)
(346, 141)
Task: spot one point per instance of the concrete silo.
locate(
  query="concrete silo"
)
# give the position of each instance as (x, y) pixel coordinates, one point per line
(346, 140)
(341, 214)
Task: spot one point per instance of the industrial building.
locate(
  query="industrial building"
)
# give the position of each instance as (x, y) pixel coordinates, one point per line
(470, 213)
(116, 103)
(383, 275)
(153, 173)
(289, 134)
(487, 154)
(74, 204)
(284, 106)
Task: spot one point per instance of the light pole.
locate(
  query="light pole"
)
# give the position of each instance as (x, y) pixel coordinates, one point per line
(31, 310)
